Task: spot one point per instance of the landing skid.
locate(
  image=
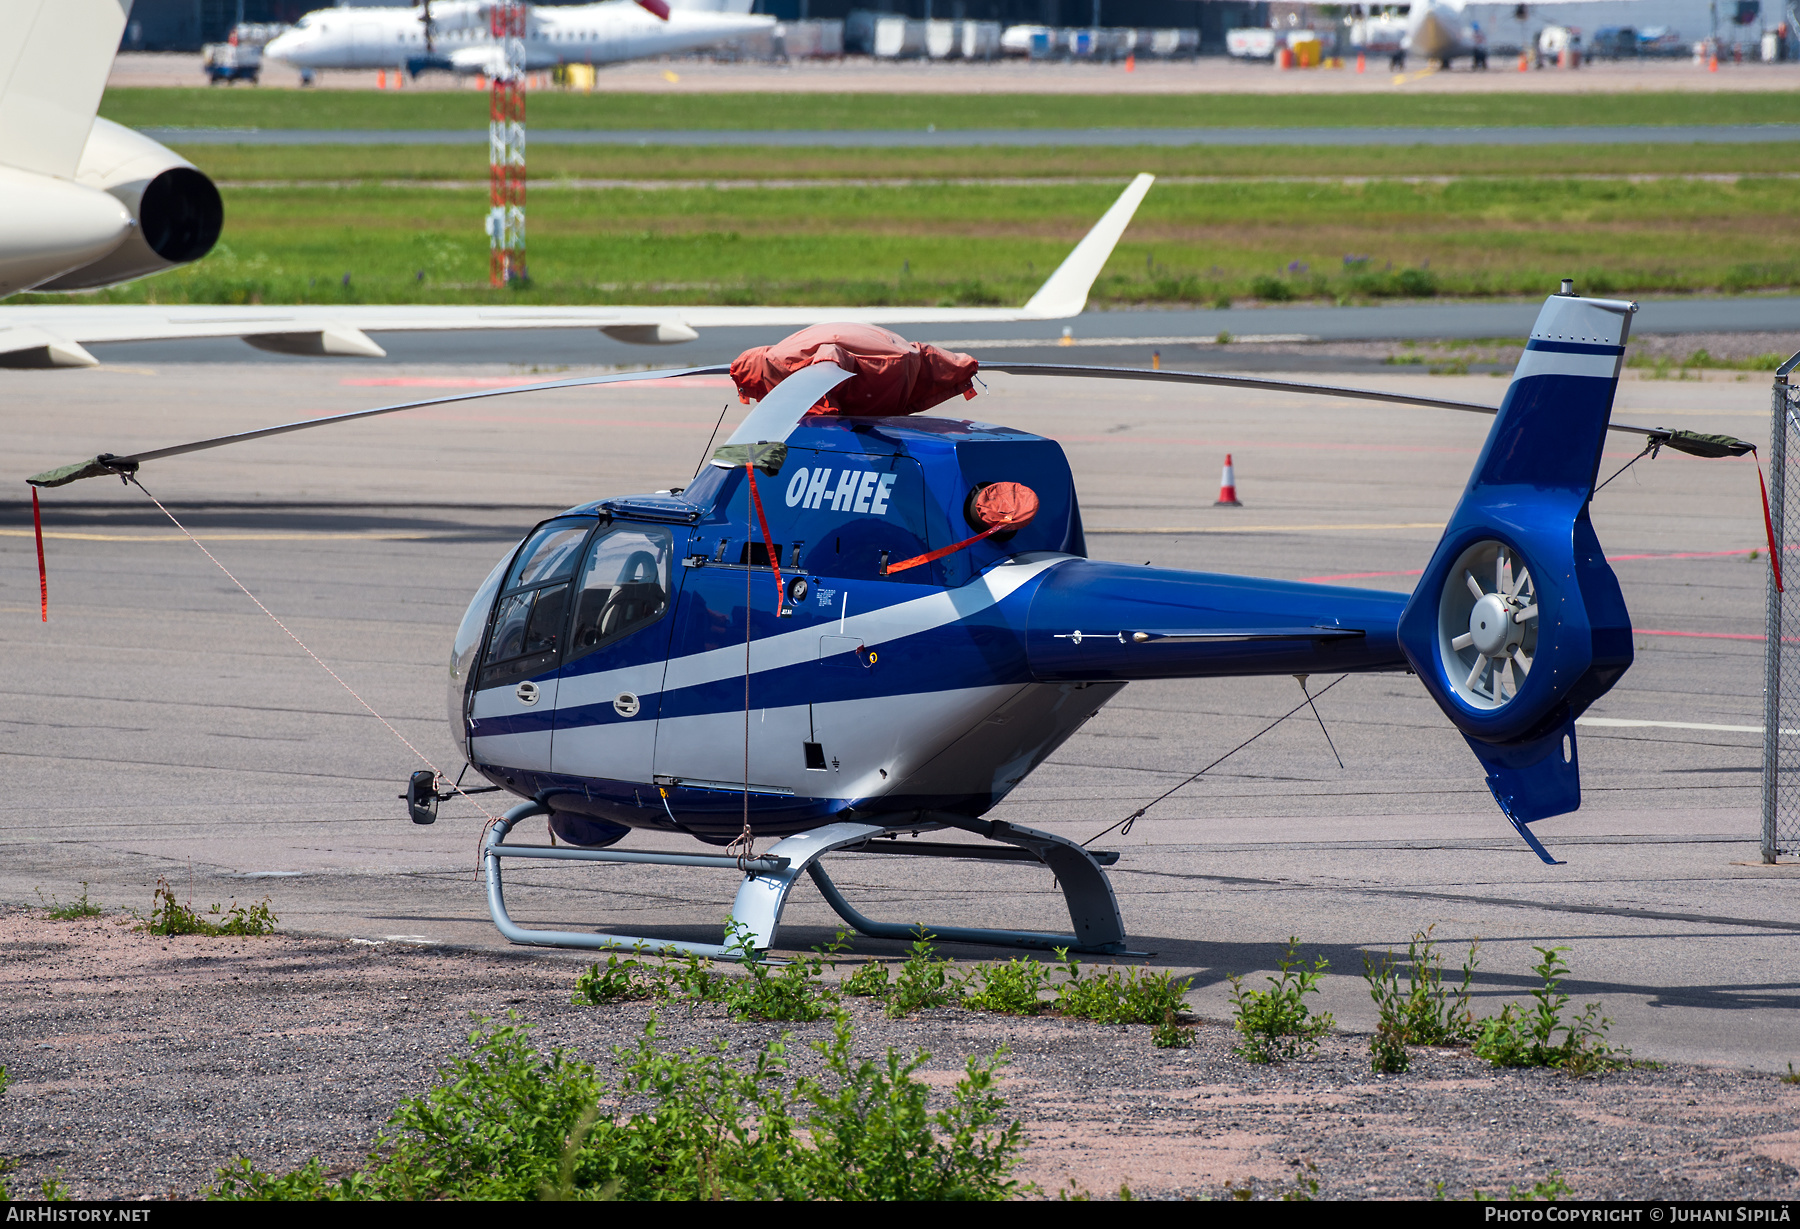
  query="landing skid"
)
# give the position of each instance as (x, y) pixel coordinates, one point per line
(1093, 908)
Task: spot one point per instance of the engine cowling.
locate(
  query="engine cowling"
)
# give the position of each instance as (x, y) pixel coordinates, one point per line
(53, 226)
(176, 208)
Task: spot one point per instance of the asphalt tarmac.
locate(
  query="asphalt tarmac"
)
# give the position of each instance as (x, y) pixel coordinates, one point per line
(1187, 337)
(160, 726)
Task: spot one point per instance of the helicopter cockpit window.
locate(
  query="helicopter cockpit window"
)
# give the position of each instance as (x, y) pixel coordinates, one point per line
(550, 555)
(624, 585)
(528, 622)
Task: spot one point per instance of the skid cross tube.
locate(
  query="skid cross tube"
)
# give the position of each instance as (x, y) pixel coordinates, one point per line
(768, 880)
(1093, 909)
(493, 849)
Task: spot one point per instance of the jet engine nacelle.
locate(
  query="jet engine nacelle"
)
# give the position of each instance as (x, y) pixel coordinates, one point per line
(53, 226)
(1518, 623)
(175, 207)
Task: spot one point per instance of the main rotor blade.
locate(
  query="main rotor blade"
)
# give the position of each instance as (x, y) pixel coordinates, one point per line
(778, 413)
(107, 463)
(1276, 386)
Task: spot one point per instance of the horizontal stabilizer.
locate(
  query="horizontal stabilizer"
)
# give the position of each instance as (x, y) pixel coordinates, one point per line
(1249, 633)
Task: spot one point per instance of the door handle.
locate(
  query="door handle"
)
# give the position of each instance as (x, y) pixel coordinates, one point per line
(527, 693)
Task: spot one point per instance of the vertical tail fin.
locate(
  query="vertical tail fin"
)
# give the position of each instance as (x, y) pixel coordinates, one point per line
(1518, 623)
(53, 68)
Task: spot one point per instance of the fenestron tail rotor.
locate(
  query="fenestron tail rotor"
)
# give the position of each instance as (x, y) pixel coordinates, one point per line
(1488, 624)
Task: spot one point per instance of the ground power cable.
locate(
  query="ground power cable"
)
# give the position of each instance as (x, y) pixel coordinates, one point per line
(1124, 825)
(492, 819)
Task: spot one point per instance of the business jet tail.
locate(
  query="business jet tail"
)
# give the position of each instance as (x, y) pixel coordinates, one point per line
(51, 78)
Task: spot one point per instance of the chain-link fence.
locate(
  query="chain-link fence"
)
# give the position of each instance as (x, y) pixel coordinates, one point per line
(1781, 670)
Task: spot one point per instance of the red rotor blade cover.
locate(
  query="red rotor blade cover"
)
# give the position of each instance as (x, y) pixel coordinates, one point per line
(656, 7)
(893, 375)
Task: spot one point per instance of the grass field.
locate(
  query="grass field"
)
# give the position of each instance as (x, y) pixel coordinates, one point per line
(979, 245)
(549, 163)
(1322, 223)
(243, 108)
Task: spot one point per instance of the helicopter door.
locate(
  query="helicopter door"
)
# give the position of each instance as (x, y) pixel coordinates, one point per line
(612, 675)
(512, 712)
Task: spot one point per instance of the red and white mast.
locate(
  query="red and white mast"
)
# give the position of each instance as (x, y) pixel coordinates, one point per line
(506, 147)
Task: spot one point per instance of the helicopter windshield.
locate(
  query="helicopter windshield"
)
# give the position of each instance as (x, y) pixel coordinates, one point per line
(624, 586)
(528, 622)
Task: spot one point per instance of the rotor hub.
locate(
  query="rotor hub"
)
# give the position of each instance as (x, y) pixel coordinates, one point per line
(1493, 627)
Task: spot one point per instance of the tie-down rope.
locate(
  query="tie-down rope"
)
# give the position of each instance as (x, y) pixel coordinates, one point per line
(1124, 825)
(492, 819)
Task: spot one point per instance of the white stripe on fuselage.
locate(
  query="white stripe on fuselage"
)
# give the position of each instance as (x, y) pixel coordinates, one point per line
(907, 618)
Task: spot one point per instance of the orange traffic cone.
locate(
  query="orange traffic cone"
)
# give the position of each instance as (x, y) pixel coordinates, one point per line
(1131, 63)
(1361, 63)
(1227, 487)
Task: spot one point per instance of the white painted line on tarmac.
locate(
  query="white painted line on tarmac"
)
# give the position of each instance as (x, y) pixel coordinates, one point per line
(1620, 723)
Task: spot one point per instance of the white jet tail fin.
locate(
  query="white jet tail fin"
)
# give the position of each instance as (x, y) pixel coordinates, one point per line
(54, 60)
(1065, 292)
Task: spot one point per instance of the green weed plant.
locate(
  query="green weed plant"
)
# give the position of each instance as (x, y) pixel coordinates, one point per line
(1010, 989)
(509, 1122)
(1132, 996)
(1169, 1034)
(869, 981)
(75, 910)
(1424, 1012)
(1549, 1190)
(621, 981)
(791, 990)
(924, 981)
(1528, 1038)
(794, 990)
(169, 916)
(1276, 1025)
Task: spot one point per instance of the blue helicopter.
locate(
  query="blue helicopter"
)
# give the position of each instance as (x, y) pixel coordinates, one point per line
(827, 639)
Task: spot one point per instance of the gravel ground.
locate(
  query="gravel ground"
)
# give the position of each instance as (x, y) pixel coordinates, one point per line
(140, 1064)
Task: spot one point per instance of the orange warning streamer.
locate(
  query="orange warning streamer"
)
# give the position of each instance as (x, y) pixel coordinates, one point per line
(940, 552)
(768, 543)
(37, 525)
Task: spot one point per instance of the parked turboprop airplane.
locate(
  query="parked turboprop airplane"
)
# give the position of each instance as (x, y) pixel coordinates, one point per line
(1437, 30)
(456, 35)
